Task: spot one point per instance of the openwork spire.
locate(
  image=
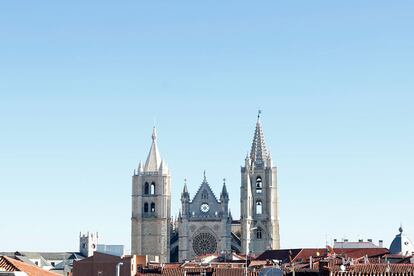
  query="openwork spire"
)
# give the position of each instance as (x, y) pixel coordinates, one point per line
(258, 153)
(153, 160)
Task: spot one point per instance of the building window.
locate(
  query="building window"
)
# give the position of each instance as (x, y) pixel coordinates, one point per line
(204, 195)
(146, 188)
(152, 207)
(259, 185)
(146, 207)
(153, 188)
(259, 233)
(259, 207)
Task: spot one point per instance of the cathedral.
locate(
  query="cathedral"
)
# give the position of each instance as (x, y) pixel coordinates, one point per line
(205, 224)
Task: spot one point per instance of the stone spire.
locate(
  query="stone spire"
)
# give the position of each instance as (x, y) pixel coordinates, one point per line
(163, 167)
(153, 160)
(140, 168)
(224, 190)
(185, 193)
(258, 153)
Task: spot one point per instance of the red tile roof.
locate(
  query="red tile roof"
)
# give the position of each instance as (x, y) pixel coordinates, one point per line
(361, 252)
(9, 264)
(371, 269)
(196, 271)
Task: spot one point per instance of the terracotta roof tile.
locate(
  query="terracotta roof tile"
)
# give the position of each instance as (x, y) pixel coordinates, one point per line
(31, 270)
(370, 269)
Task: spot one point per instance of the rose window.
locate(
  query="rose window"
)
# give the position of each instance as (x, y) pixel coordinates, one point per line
(204, 243)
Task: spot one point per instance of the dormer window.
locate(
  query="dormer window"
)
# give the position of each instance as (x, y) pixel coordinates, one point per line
(259, 185)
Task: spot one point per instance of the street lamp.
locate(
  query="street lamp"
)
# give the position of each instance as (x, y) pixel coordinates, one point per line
(247, 249)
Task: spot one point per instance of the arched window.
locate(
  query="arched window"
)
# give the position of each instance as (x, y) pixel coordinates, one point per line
(259, 207)
(153, 188)
(204, 195)
(146, 188)
(259, 185)
(146, 207)
(259, 233)
(152, 207)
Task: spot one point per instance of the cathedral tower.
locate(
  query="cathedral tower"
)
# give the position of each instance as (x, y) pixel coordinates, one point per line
(151, 207)
(259, 205)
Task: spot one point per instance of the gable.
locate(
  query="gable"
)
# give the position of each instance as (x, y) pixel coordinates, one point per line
(205, 204)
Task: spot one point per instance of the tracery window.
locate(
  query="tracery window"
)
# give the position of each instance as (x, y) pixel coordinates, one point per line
(259, 185)
(259, 233)
(146, 188)
(204, 243)
(152, 188)
(259, 209)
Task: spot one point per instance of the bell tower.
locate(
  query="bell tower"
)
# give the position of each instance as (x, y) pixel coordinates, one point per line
(259, 204)
(151, 207)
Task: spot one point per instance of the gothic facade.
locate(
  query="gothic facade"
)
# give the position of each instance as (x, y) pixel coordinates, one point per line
(205, 222)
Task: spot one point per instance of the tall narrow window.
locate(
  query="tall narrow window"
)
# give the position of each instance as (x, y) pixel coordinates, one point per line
(146, 188)
(146, 207)
(204, 194)
(259, 207)
(153, 188)
(259, 185)
(259, 233)
(152, 207)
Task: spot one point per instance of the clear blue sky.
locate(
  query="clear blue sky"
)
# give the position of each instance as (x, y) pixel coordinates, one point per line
(81, 84)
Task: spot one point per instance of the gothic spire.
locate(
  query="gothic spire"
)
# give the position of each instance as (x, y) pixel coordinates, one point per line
(224, 190)
(258, 153)
(185, 190)
(153, 160)
(140, 168)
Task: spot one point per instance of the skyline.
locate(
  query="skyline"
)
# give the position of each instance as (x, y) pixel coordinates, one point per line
(82, 84)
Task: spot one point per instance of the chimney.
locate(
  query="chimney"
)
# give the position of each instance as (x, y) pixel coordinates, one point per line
(369, 240)
(360, 240)
(381, 243)
(345, 240)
